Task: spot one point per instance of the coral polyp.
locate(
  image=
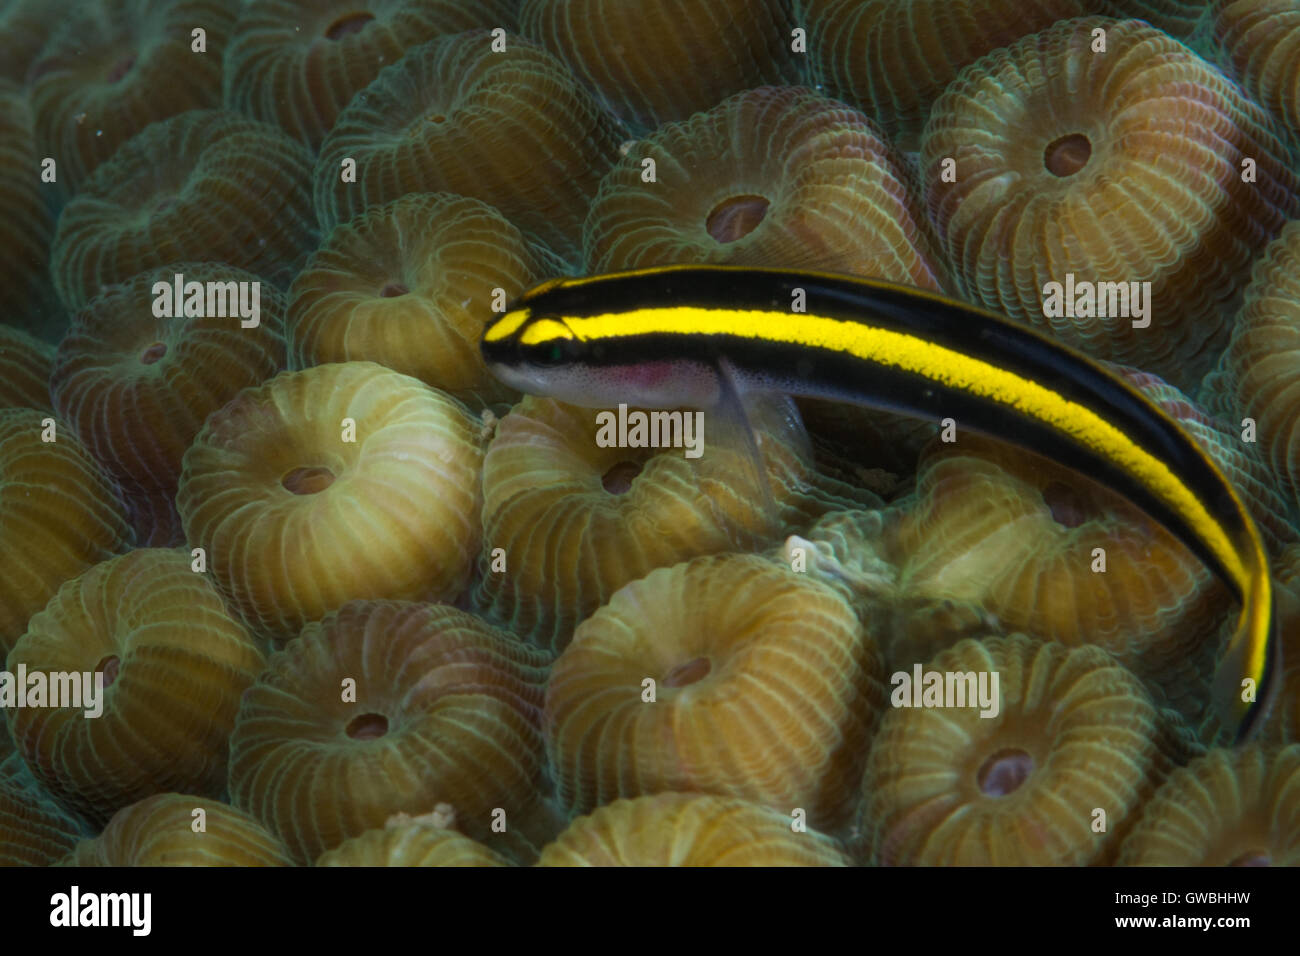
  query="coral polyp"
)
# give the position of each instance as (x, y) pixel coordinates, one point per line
(27, 299)
(1262, 380)
(772, 176)
(233, 191)
(1229, 808)
(578, 519)
(177, 829)
(297, 64)
(114, 67)
(511, 128)
(60, 513)
(1076, 168)
(33, 831)
(894, 57)
(25, 364)
(411, 841)
(684, 829)
(138, 385)
(764, 687)
(410, 285)
(336, 483)
(388, 707)
(689, 56)
(173, 664)
(1073, 731)
(1262, 38)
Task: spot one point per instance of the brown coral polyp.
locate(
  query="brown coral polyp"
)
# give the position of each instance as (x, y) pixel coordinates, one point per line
(232, 190)
(60, 513)
(1229, 808)
(168, 830)
(137, 385)
(771, 177)
(659, 61)
(577, 521)
(733, 644)
(114, 67)
(511, 128)
(1073, 731)
(1068, 165)
(174, 664)
(686, 829)
(297, 64)
(339, 482)
(1262, 38)
(27, 298)
(410, 285)
(458, 704)
(25, 364)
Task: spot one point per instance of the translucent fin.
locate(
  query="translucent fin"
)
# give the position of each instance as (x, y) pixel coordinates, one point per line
(752, 437)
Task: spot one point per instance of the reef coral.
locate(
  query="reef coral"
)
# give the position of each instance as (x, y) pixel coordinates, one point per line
(763, 682)
(25, 364)
(173, 664)
(33, 830)
(137, 386)
(233, 191)
(1262, 380)
(1074, 732)
(1262, 39)
(387, 707)
(335, 483)
(511, 128)
(411, 841)
(410, 285)
(114, 67)
(1237, 807)
(689, 56)
(575, 520)
(346, 597)
(1125, 168)
(60, 513)
(176, 829)
(27, 298)
(682, 829)
(297, 64)
(773, 176)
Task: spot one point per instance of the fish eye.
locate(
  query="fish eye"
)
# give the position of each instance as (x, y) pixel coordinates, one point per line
(554, 352)
(549, 341)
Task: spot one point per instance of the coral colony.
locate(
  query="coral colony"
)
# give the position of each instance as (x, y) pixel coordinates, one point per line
(271, 527)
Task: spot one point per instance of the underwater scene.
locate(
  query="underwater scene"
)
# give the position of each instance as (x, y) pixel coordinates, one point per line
(649, 433)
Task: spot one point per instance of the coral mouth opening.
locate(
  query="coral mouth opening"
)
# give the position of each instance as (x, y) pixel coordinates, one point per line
(1066, 505)
(392, 290)
(1067, 155)
(1004, 772)
(736, 217)
(1253, 858)
(348, 24)
(367, 727)
(110, 665)
(307, 481)
(689, 673)
(618, 480)
(121, 68)
(153, 353)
